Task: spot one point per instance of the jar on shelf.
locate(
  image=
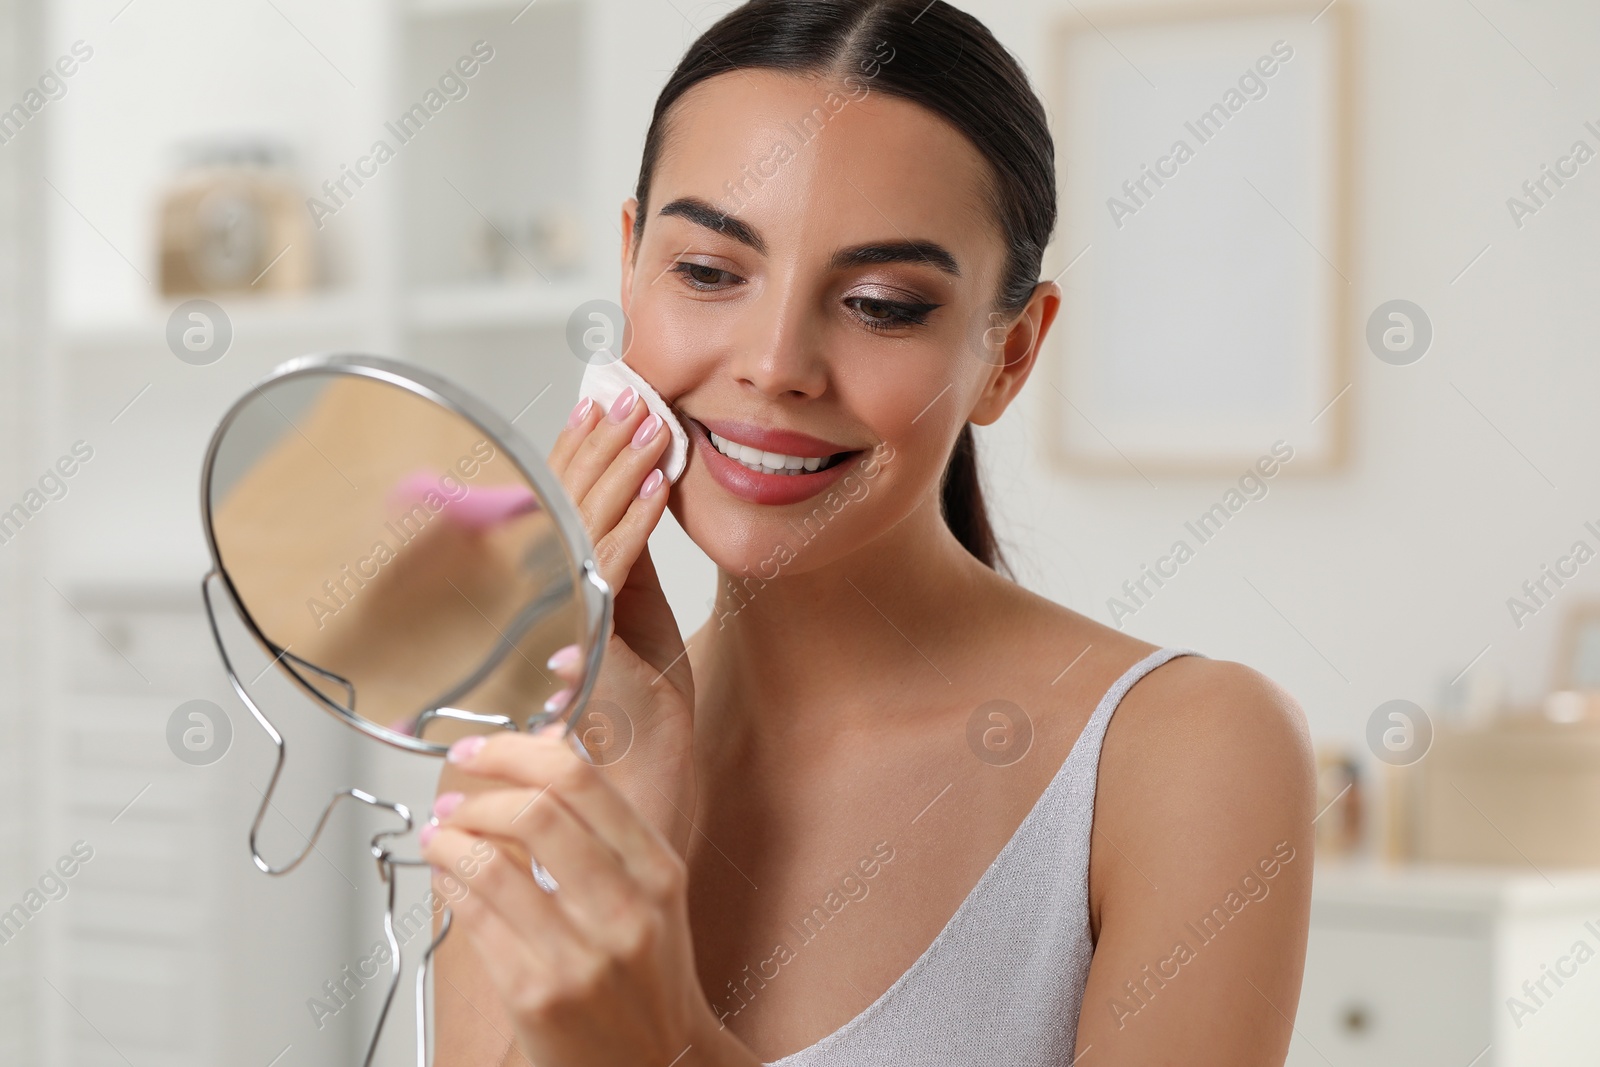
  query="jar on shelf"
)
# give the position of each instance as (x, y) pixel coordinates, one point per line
(233, 221)
(1339, 800)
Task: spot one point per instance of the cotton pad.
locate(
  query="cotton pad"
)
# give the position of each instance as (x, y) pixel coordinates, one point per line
(605, 380)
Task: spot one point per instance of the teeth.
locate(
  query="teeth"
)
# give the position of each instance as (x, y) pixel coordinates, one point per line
(765, 462)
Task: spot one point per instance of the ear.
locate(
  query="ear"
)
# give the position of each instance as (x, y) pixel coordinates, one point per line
(630, 208)
(1013, 350)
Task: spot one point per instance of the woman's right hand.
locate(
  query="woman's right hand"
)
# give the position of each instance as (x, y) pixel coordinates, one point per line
(606, 460)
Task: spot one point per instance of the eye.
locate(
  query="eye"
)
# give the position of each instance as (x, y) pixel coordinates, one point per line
(878, 314)
(701, 277)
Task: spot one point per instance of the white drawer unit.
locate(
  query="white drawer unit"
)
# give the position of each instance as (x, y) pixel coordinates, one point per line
(168, 946)
(1458, 966)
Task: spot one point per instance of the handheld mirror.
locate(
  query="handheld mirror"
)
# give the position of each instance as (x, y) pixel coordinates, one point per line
(408, 562)
(398, 551)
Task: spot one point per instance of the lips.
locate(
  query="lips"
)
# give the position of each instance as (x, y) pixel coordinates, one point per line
(783, 442)
(759, 487)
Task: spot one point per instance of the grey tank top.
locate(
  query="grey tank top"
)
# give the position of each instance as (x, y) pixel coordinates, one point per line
(1003, 981)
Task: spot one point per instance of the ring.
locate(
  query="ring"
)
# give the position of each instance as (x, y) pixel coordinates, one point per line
(542, 876)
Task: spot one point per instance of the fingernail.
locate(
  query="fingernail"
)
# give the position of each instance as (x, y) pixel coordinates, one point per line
(652, 482)
(464, 749)
(563, 658)
(425, 834)
(579, 413)
(624, 404)
(447, 803)
(558, 700)
(647, 429)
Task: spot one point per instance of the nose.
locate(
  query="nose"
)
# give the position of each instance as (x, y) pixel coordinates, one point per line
(781, 352)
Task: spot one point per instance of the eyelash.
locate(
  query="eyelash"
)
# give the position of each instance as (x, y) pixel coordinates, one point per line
(898, 314)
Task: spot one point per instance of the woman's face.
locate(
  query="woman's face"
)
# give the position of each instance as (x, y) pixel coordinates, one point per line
(836, 321)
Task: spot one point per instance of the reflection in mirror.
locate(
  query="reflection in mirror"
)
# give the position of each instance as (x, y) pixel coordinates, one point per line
(396, 558)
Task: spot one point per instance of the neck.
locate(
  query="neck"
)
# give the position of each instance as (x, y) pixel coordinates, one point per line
(783, 656)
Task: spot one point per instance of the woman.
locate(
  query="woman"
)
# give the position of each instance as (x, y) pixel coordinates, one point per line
(876, 809)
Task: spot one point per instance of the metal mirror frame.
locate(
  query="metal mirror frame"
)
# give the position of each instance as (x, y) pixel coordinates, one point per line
(575, 539)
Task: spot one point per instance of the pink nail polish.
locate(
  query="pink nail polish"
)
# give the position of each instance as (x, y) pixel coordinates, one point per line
(579, 413)
(564, 658)
(446, 804)
(647, 429)
(558, 700)
(466, 748)
(425, 834)
(651, 483)
(624, 404)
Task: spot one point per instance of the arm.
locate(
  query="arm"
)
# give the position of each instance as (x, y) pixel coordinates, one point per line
(1199, 873)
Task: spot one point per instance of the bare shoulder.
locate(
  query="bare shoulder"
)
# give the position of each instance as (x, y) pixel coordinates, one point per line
(1206, 766)
(1200, 863)
(1202, 823)
(1192, 735)
(1196, 719)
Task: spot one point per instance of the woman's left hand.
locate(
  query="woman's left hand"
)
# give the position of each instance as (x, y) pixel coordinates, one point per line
(601, 971)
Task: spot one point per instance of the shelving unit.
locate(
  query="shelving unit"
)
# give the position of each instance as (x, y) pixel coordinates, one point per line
(465, 253)
(474, 195)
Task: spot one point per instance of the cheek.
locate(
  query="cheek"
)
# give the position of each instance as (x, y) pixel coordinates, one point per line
(662, 344)
(915, 401)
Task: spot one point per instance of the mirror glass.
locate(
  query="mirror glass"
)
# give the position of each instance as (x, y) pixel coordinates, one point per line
(393, 555)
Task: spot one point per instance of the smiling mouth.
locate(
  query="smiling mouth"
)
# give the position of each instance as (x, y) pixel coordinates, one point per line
(774, 463)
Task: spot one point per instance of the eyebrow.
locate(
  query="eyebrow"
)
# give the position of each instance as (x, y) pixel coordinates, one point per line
(701, 213)
(704, 214)
(929, 252)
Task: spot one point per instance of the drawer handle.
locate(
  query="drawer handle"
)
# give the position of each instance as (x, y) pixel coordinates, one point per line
(1355, 1019)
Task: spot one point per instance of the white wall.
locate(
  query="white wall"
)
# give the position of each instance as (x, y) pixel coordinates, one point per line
(19, 840)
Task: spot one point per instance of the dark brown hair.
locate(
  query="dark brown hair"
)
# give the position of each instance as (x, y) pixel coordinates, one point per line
(948, 62)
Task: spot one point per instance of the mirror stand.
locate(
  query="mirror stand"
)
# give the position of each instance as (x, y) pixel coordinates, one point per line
(387, 861)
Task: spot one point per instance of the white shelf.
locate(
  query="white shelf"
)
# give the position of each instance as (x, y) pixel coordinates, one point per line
(1437, 889)
(286, 317)
(491, 305)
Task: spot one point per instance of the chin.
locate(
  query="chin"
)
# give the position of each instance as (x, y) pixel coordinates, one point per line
(754, 539)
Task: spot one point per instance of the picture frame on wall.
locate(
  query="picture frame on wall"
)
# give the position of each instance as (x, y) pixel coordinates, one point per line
(1204, 246)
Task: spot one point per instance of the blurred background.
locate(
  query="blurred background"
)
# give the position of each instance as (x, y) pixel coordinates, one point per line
(1401, 290)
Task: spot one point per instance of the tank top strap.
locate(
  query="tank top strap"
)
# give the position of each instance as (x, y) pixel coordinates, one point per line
(1088, 744)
